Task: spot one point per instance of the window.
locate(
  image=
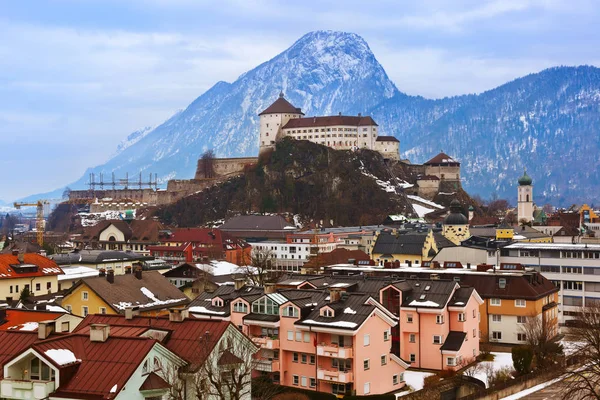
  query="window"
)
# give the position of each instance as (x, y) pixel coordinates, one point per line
(413, 358)
(304, 359)
(366, 340)
(102, 310)
(383, 360)
(298, 336)
(303, 381)
(439, 319)
(473, 313)
(572, 285)
(306, 337)
(496, 318)
(312, 359)
(502, 283)
(295, 357)
(450, 361)
(367, 387)
(412, 338)
(84, 311)
(290, 311)
(295, 380)
(290, 335)
(84, 295)
(520, 319)
(496, 335)
(38, 287)
(521, 337)
(495, 302)
(409, 318)
(69, 308)
(313, 382)
(520, 303)
(461, 317)
(265, 305)
(474, 333)
(328, 313)
(437, 339)
(386, 335)
(240, 307)
(366, 364)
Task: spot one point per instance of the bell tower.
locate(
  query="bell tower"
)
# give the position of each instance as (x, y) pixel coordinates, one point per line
(525, 198)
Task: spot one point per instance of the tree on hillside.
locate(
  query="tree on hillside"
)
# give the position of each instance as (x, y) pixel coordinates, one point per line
(208, 164)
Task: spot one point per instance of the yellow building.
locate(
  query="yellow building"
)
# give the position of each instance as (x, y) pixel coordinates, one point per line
(410, 248)
(152, 293)
(504, 232)
(33, 272)
(456, 224)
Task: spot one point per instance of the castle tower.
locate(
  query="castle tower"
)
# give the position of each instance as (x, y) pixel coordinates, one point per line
(525, 199)
(273, 118)
(456, 224)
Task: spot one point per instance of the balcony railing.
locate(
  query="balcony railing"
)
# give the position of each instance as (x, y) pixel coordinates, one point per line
(267, 365)
(335, 375)
(333, 350)
(21, 389)
(266, 342)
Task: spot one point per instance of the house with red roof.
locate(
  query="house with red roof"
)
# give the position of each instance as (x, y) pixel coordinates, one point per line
(20, 319)
(197, 244)
(30, 271)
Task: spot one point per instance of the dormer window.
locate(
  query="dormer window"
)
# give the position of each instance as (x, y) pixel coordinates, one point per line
(240, 307)
(327, 312)
(290, 311)
(502, 283)
(218, 303)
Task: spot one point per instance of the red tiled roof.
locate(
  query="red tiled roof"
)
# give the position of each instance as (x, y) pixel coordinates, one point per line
(442, 158)
(16, 318)
(14, 343)
(205, 236)
(46, 267)
(281, 106)
(184, 340)
(387, 139)
(154, 382)
(345, 120)
(91, 377)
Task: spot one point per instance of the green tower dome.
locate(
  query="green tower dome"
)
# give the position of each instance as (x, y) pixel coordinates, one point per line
(525, 179)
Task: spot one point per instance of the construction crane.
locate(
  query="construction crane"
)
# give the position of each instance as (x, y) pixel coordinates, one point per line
(39, 220)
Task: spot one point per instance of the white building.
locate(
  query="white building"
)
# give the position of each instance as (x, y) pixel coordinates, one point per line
(340, 132)
(286, 256)
(574, 268)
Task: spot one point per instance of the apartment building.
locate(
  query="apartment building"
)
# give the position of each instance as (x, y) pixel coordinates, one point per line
(285, 256)
(510, 293)
(573, 268)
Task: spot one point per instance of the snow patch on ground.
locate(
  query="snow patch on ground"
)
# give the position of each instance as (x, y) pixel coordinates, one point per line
(424, 201)
(501, 360)
(415, 379)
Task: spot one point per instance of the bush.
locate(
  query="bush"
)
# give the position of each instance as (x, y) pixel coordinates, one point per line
(430, 381)
(500, 376)
(522, 357)
(447, 373)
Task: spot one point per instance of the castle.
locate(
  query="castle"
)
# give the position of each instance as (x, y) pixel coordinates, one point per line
(340, 132)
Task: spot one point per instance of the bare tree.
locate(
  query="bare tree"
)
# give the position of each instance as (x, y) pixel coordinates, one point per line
(541, 337)
(208, 164)
(583, 381)
(259, 266)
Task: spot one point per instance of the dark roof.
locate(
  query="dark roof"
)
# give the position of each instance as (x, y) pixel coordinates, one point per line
(428, 293)
(482, 220)
(442, 159)
(461, 296)
(351, 311)
(454, 341)
(96, 257)
(135, 230)
(281, 106)
(187, 270)
(387, 139)
(258, 226)
(261, 317)
(228, 358)
(183, 338)
(456, 217)
(128, 290)
(345, 120)
(408, 243)
(14, 343)
(525, 179)
(154, 382)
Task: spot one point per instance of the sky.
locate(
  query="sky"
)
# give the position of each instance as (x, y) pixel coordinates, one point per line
(77, 76)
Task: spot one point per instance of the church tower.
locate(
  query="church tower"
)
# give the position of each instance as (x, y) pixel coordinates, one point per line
(272, 119)
(525, 199)
(456, 225)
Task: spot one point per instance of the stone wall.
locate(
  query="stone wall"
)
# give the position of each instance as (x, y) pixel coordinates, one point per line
(444, 173)
(225, 166)
(428, 188)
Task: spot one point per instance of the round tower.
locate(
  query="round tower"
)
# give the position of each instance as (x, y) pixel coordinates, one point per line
(273, 118)
(525, 198)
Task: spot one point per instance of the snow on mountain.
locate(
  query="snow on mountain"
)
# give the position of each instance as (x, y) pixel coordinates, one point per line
(548, 122)
(132, 139)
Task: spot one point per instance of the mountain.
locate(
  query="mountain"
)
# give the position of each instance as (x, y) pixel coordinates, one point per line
(547, 122)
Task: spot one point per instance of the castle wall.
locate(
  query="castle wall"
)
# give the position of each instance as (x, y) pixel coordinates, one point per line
(428, 189)
(389, 150)
(445, 173)
(225, 166)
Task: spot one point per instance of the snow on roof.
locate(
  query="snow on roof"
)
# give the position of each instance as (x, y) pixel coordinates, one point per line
(348, 310)
(420, 210)
(204, 310)
(113, 389)
(339, 324)
(56, 309)
(77, 272)
(219, 268)
(424, 201)
(27, 326)
(295, 283)
(554, 246)
(427, 303)
(341, 284)
(148, 294)
(61, 356)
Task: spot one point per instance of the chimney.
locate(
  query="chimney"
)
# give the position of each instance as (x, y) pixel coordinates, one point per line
(340, 114)
(110, 276)
(46, 328)
(239, 283)
(359, 115)
(178, 314)
(138, 273)
(335, 295)
(15, 253)
(102, 272)
(269, 288)
(128, 269)
(99, 332)
(21, 258)
(130, 312)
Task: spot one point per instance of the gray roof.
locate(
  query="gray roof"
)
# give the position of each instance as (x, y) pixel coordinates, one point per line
(454, 341)
(257, 223)
(408, 243)
(96, 257)
(349, 313)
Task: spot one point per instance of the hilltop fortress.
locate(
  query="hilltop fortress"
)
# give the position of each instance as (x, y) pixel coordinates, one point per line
(281, 119)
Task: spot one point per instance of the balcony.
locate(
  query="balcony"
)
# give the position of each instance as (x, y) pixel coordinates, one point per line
(333, 350)
(20, 389)
(334, 376)
(267, 365)
(266, 342)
